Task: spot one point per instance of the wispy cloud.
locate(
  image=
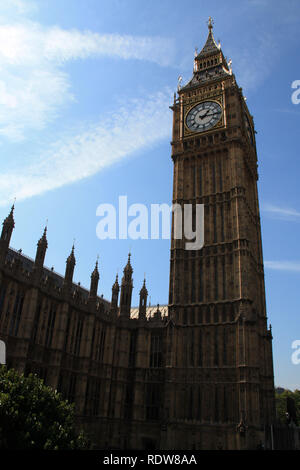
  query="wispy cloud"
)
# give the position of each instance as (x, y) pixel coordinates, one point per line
(136, 125)
(283, 265)
(282, 213)
(34, 86)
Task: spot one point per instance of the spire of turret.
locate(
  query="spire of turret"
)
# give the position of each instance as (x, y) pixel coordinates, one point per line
(71, 258)
(128, 268)
(143, 300)
(95, 273)
(43, 239)
(7, 229)
(94, 282)
(42, 246)
(126, 289)
(9, 220)
(70, 264)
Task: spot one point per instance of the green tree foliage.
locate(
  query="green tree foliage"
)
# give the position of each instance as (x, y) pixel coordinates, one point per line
(281, 404)
(34, 416)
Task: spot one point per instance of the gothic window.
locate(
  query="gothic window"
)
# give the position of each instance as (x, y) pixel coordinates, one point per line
(72, 388)
(192, 347)
(200, 359)
(132, 349)
(67, 333)
(216, 349)
(50, 326)
(216, 280)
(215, 223)
(207, 315)
(2, 298)
(200, 291)
(153, 399)
(200, 180)
(100, 350)
(224, 277)
(222, 222)
(156, 350)
(192, 316)
(213, 174)
(78, 335)
(36, 322)
(200, 319)
(128, 401)
(216, 417)
(16, 316)
(95, 398)
(190, 403)
(184, 317)
(199, 414)
(224, 346)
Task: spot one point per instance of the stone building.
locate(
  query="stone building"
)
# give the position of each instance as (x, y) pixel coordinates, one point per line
(197, 373)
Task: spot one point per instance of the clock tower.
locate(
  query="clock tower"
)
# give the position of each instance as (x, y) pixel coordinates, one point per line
(219, 383)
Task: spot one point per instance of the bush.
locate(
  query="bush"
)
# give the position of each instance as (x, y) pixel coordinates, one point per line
(34, 416)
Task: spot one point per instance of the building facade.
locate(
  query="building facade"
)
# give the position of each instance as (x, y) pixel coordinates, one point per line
(197, 373)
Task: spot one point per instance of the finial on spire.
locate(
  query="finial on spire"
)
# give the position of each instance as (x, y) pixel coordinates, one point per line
(210, 23)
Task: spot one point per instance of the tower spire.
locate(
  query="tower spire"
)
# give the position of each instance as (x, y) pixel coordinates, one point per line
(7, 230)
(42, 246)
(94, 282)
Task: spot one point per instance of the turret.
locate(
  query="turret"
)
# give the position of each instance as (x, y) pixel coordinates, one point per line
(143, 301)
(42, 246)
(115, 294)
(126, 290)
(7, 229)
(70, 265)
(94, 283)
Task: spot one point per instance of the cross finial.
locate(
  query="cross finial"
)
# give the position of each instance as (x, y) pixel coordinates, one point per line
(210, 23)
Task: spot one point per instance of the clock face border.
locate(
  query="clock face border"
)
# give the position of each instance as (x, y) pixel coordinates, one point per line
(219, 123)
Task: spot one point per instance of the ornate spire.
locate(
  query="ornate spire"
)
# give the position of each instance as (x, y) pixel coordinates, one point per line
(71, 258)
(143, 300)
(95, 273)
(144, 288)
(43, 239)
(128, 267)
(42, 246)
(210, 46)
(9, 221)
(116, 284)
(94, 282)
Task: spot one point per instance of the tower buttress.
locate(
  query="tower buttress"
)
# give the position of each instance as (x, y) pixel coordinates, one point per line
(143, 301)
(126, 290)
(115, 295)
(70, 265)
(94, 283)
(7, 230)
(42, 246)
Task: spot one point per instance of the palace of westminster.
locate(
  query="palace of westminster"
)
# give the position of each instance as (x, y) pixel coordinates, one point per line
(198, 372)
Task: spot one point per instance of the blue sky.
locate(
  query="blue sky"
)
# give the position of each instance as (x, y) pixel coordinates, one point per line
(75, 74)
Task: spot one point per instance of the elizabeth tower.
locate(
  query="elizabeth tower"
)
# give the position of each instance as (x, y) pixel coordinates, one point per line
(219, 378)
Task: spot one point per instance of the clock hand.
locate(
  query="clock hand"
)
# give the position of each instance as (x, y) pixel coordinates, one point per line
(204, 115)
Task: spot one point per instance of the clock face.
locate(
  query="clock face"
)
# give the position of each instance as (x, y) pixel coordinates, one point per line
(203, 116)
(249, 129)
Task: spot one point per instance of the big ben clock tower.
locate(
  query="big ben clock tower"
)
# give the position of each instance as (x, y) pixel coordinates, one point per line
(219, 375)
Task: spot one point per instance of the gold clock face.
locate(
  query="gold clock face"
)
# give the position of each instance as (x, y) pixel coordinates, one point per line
(203, 116)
